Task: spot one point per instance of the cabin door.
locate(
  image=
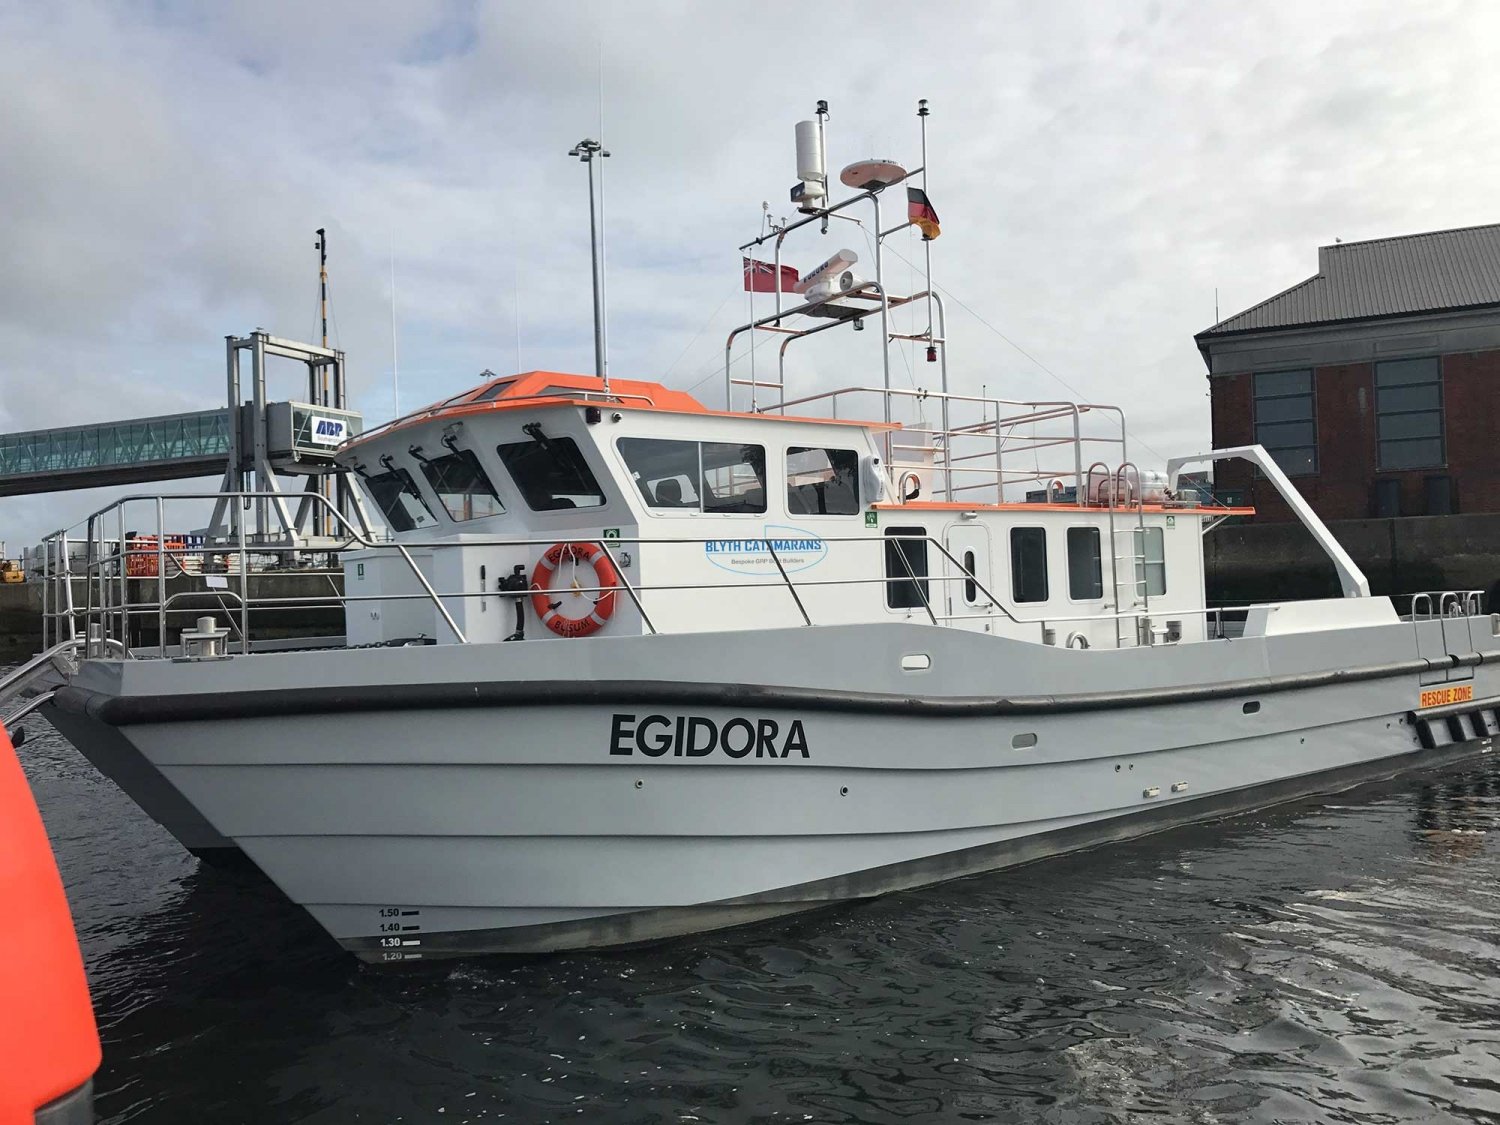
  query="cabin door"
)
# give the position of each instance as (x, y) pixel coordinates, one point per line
(967, 576)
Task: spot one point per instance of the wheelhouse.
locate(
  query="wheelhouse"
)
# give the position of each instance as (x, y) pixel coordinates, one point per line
(671, 517)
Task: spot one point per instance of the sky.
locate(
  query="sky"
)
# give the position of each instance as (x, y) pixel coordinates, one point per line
(1102, 171)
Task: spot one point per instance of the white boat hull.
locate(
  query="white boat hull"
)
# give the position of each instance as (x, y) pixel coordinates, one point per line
(524, 814)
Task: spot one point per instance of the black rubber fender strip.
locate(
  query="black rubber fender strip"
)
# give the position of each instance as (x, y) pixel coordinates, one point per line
(129, 710)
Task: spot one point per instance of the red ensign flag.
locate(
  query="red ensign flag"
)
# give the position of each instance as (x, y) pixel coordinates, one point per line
(760, 277)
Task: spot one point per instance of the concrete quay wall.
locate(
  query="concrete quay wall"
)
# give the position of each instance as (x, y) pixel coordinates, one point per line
(1255, 561)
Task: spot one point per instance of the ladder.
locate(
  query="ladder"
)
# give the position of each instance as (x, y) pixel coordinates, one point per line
(1127, 547)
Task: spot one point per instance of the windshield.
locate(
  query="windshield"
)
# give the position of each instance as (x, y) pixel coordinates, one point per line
(396, 495)
(551, 474)
(462, 486)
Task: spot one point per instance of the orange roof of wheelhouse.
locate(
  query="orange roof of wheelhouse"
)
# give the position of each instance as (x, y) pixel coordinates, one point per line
(535, 389)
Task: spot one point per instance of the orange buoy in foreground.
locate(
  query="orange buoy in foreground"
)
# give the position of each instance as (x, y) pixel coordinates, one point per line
(49, 1045)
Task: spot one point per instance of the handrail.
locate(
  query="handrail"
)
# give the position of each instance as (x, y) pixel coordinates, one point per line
(102, 555)
(1004, 435)
(453, 404)
(1450, 603)
(354, 536)
(16, 675)
(25, 709)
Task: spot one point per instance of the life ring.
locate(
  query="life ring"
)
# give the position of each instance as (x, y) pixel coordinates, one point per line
(606, 578)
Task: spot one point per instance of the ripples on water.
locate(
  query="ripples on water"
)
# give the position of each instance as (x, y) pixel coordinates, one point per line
(1334, 960)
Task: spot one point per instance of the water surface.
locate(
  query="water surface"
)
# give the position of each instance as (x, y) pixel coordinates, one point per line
(1334, 960)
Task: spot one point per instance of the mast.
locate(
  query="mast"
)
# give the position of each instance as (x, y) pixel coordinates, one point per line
(320, 395)
(932, 354)
(586, 150)
(395, 364)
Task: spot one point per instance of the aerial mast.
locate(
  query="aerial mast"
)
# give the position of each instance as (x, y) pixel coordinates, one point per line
(319, 394)
(586, 150)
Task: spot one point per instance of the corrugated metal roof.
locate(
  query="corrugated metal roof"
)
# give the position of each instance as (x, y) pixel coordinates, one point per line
(1415, 273)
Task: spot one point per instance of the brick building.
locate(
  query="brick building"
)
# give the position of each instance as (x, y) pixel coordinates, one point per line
(1375, 383)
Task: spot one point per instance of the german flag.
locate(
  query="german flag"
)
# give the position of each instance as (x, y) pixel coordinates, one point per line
(919, 210)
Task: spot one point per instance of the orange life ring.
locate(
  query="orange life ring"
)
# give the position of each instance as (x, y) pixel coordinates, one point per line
(607, 579)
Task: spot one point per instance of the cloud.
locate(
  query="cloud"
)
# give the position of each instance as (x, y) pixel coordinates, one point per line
(1101, 170)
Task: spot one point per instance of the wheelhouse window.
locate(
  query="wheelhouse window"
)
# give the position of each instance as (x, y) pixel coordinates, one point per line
(1151, 568)
(1085, 567)
(1285, 421)
(462, 486)
(1028, 564)
(1409, 413)
(822, 482)
(551, 473)
(906, 567)
(697, 476)
(395, 494)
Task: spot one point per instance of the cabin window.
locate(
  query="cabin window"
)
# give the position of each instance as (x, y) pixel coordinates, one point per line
(666, 472)
(551, 473)
(906, 567)
(396, 495)
(462, 486)
(1085, 568)
(734, 477)
(822, 482)
(1028, 564)
(1151, 568)
(705, 476)
(971, 587)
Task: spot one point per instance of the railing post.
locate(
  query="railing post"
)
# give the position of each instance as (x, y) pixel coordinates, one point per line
(239, 530)
(639, 608)
(906, 564)
(124, 602)
(431, 593)
(46, 589)
(770, 544)
(161, 579)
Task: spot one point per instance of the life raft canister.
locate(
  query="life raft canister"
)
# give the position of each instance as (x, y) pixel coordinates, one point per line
(49, 1045)
(607, 579)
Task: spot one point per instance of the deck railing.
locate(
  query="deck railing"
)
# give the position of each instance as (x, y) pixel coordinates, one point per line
(92, 594)
(1012, 442)
(1429, 604)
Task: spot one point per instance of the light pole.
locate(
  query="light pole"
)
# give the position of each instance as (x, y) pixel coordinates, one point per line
(586, 150)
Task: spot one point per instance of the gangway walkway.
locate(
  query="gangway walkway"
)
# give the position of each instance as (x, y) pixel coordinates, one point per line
(168, 447)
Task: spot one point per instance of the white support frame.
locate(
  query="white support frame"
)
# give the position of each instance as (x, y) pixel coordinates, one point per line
(1351, 578)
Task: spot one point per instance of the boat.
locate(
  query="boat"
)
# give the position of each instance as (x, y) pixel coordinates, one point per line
(622, 666)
